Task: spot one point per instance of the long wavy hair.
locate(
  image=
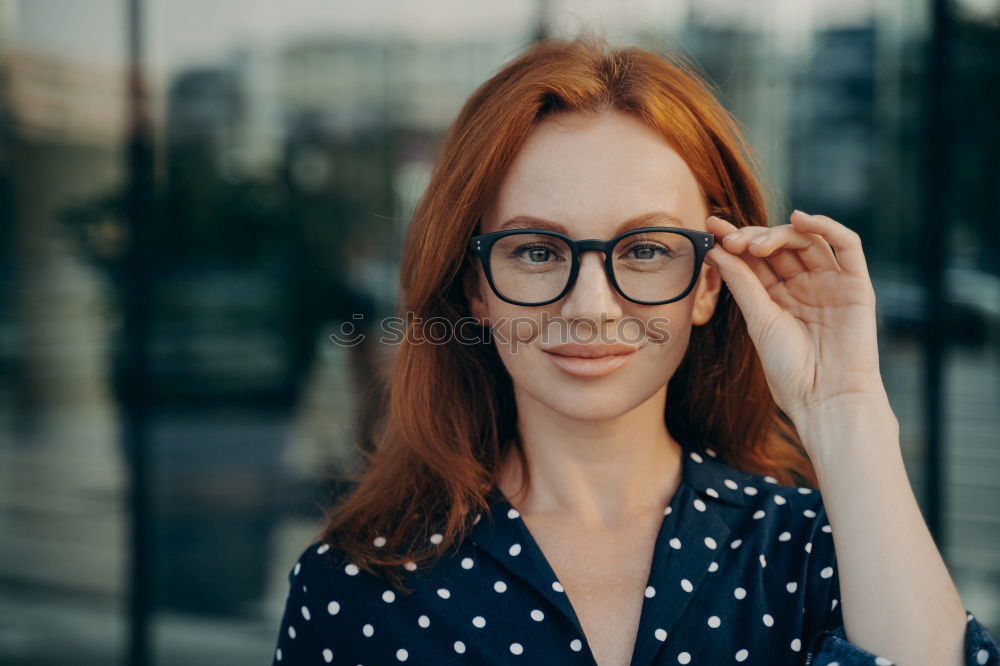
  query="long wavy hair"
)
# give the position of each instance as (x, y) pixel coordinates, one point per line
(450, 415)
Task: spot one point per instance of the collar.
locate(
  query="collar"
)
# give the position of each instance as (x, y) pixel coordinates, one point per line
(702, 512)
(705, 473)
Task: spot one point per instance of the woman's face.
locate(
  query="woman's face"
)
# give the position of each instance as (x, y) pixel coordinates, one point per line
(586, 175)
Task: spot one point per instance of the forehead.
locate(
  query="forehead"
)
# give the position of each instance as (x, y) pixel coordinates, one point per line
(589, 173)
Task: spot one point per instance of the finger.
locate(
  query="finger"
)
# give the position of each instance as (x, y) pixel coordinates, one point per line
(768, 245)
(846, 242)
(734, 240)
(749, 293)
(811, 250)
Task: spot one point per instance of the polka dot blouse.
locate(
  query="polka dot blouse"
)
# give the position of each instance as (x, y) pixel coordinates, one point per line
(743, 571)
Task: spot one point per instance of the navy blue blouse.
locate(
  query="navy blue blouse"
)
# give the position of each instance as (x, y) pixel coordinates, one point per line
(743, 571)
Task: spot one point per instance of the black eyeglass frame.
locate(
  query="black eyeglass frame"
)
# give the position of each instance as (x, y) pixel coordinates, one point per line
(482, 244)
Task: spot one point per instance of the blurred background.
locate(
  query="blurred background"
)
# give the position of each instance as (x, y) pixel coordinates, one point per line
(194, 194)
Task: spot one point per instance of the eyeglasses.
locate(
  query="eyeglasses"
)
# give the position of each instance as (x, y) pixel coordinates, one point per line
(649, 266)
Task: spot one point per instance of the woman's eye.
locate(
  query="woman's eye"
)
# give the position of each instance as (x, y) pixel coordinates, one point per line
(536, 254)
(647, 251)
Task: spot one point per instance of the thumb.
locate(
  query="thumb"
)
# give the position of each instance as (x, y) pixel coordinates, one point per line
(753, 300)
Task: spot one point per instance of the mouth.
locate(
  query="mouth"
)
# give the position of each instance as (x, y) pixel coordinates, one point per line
(590, 360)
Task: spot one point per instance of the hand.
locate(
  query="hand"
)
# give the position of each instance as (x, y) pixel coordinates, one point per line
(810, 313)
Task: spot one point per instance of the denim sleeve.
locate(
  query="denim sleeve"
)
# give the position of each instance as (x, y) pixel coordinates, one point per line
(832, 647)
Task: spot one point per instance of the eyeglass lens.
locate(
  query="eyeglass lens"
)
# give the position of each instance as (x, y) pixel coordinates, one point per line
(650, 266)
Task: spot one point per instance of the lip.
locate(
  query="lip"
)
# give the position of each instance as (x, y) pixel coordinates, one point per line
(590, 360)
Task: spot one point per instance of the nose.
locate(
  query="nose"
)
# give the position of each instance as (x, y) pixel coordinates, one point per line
(592, 297)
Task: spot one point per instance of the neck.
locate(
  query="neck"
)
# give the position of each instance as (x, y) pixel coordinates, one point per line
(599, 473)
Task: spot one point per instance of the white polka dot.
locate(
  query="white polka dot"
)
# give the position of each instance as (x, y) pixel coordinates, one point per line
(714, 566)
(833, 604)
(982, 656)
(796, 644)
(710, 543)
(834, 663)
(882, 661)
(809, 513)
(750, 490)
(459, 647)
(695, 457)
(826, 572)
(784, 536)
(661, 634)
(714, 622)
(768, 620)
(388, 596)
(323, 548)
(575, 645)
(402, 654)
(500, 586)
(763, 560)
(351, 569)
(700, 505)
(512, 514)
(684, 658)
(291, 631)
(730, 484)
(650, 592)
(327, 655)
(770, 479)
(467, 563)
(712, 492)
(277, 654)
(478, 516)
(410, 566)
(710, 452)
(805, 491)
(827, 529)
(758, 514)
(537, 615)
(298, 567)
(333, 608)
(368, 630)
(444, 593)
(675, 543)
(557, 586)
(379, 541)
(515, 648)
(515, 550)
(668, 511)
(686, 585)
(792, 586)
(779, 499)
(424, 621)
(479, 621)
(436, 539)
(742, 655)
(739, 593)
(736, 544)
(809, 546)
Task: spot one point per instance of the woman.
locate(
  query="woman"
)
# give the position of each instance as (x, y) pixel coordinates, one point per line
(616, 386)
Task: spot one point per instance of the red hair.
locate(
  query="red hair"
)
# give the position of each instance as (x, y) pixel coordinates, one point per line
(450, 414)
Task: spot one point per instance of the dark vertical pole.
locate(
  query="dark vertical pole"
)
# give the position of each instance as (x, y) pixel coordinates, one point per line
(139, 197)
(935, 226)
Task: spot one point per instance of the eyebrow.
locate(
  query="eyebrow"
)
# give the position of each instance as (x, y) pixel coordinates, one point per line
(652, 219)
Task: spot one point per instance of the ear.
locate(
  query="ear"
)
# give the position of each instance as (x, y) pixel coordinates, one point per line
(706, 295)
(472, 282)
